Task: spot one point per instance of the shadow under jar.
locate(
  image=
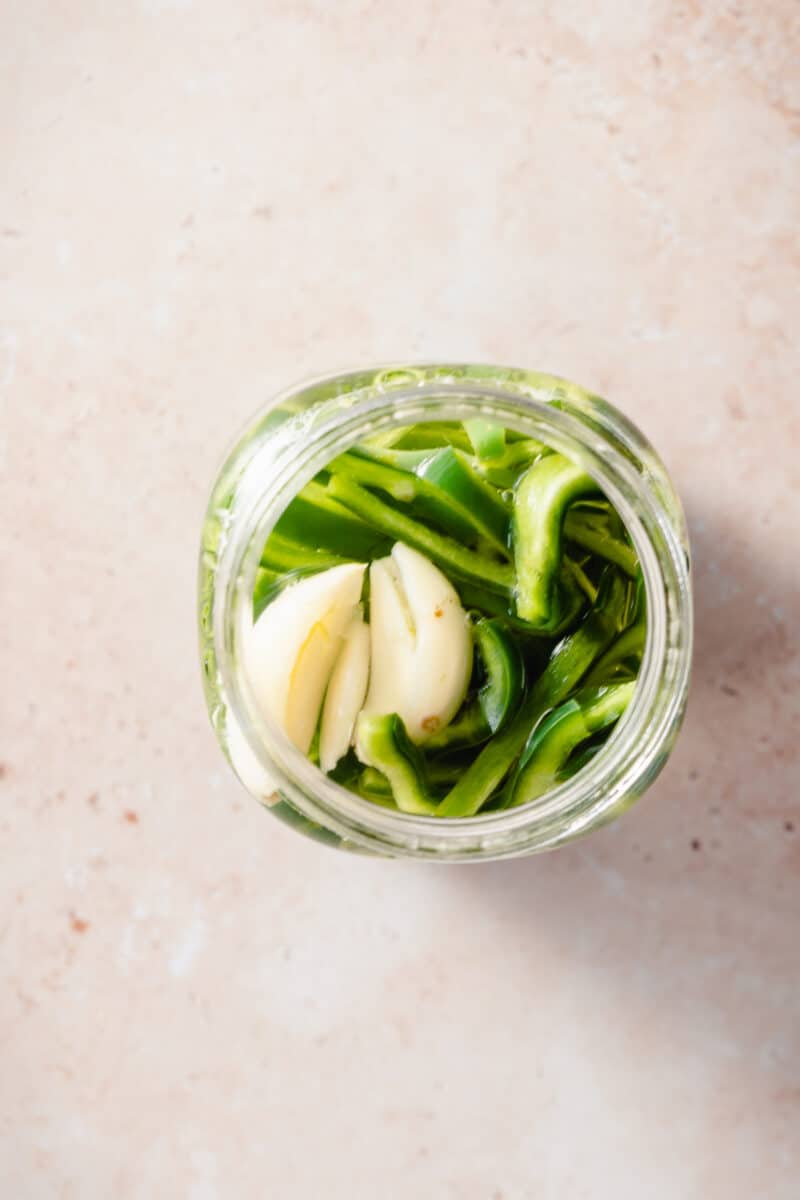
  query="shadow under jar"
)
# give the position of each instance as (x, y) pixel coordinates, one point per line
(301, 432)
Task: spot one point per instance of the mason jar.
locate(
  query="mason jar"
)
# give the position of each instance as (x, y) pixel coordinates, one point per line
(292, 438)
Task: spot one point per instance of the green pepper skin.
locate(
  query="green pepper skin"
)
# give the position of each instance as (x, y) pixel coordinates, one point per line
(487, 437)
(382, 742)
(624, 656)
(561, 732)
(501, 692)
(540, 505)
(373, 783)
(450, 472)
(591, 531)
(314, 519)
(430, 434)
(627, 649)
(442, 487)
(281, 554)
(469, 728)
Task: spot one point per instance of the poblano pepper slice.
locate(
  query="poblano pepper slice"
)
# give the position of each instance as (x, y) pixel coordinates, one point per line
(561, 732)
(540, 506)
(382, 742)
(315, 519)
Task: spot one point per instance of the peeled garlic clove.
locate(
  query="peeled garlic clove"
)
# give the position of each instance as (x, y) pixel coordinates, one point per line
(345, 695)
(421, 646)
(392, 637)
(443, 652)
(293, 646)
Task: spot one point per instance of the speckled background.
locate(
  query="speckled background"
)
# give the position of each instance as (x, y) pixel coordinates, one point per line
(202, 203)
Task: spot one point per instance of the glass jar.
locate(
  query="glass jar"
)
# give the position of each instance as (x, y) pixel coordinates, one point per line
(294, 437)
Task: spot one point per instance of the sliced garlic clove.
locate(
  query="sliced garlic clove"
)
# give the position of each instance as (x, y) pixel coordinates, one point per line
(421, 646)
(294, 644)
(345, 695)
(392, 638)
(443, 651)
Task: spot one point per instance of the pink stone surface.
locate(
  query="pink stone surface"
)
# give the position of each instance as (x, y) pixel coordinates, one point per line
(202, 203)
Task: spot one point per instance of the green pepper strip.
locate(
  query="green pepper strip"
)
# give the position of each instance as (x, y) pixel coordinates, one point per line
(403, 460)
(540, 505)
(382, 742)
(431, 434)
(631, 641)
(505, 472)
(473, 596)
(444, 489)
(629, 644)
(592, 534)
(452, 472)
(562, 731)
(470, 728)
(569, 662)
(406, 488)
(374, 783)
(282, 554)
(581, 578)
(500, 656)
(313, 518)
(448, 553)
(521, 452)
(488, 438)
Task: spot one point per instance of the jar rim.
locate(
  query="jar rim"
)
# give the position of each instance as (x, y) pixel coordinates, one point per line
(633, 754)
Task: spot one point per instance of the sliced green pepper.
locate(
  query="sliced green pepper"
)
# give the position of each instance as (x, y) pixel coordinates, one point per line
(443, 550)
(624, 655)
(581, 578)
(505, 471)
(445, 507)
(468, 728)
(497, 604)
(403, 460)
(561, 732)
(282, 554)
(382, 742)
(569, 662)
(439, 774)
(540, 504)
(627, 648)
(431, 434)
(591, 530)
(488, 439)
(504, 670)
(314, 518)
(450, 472)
